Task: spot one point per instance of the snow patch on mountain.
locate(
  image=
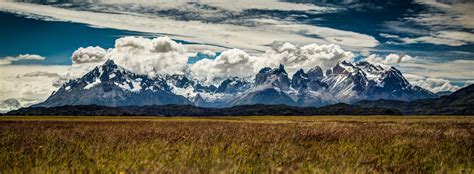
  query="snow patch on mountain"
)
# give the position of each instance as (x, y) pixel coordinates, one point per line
(90, 85)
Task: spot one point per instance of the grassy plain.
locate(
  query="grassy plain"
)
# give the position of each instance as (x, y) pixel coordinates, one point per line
(237, 144)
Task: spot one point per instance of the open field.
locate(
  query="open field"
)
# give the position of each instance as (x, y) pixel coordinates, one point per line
(237, 144)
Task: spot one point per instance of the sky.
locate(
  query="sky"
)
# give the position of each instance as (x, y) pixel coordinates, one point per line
(44, 43)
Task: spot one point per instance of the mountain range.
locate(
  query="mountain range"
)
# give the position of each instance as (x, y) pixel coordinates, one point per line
(460, 102)
(347, 82)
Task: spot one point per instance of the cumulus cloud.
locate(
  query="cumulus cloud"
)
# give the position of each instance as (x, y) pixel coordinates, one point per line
(10, 59)
(140, 55)
(230, 63)
(391, 59)
(88, 55)
(160, 55)
(238, 63)
(436, 85)
(305, 57)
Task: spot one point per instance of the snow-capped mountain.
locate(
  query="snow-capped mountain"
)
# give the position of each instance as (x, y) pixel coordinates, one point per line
(270, 88)
(112, 85)
(365, 81)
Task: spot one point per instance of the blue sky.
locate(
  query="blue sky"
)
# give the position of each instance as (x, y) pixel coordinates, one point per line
(437, 37)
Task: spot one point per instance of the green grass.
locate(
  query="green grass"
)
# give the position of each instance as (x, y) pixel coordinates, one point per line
(237, 144)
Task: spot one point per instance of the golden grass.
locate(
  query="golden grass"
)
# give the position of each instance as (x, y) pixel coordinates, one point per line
(334, 144)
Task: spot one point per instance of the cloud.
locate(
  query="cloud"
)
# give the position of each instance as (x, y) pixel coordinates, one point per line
(230, 63)
(433, 75)
(390, 59)
(160, 55)
(238, 63)
(58, 78)
(261, 30)
(455, 13)
(435, 85)
(454, 71)
(30, 82)
(330, 35)
(389, 36)
(445, 37)
(305, 57)
(449, 38)
(88, 55)
(39, 74)
(10, 59)
(140, 55)
(442, 23)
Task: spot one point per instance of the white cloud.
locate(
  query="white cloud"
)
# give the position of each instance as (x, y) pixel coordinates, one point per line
(429, 74)
(238, 63)
(443, 22)
(457, 13)
(236, 5)
(230, 63)
(450, 38)
(9, 59)
(391, 59)
(456, 70)
(435, 85)
(389, 36)
(444, 37)
(254, 38)
(88, 55)
(330, 35)
(39, 74)
(164, 56)
(30, 82)
(160, 55)
(140, 55)
(305, 57)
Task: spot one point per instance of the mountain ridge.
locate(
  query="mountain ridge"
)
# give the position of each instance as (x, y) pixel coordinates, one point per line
(111, 85)
(460, 102)
(191, 110)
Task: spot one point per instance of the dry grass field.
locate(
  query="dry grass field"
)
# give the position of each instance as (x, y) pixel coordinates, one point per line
(237, 144)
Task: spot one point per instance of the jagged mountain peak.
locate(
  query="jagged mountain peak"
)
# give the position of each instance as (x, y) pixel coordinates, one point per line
(110, 84)
(233, 85)
(299, 79)
(280, 69)
(268, 70)
(273, 77)
(315, 73)
(110, 63)
(364, 80)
